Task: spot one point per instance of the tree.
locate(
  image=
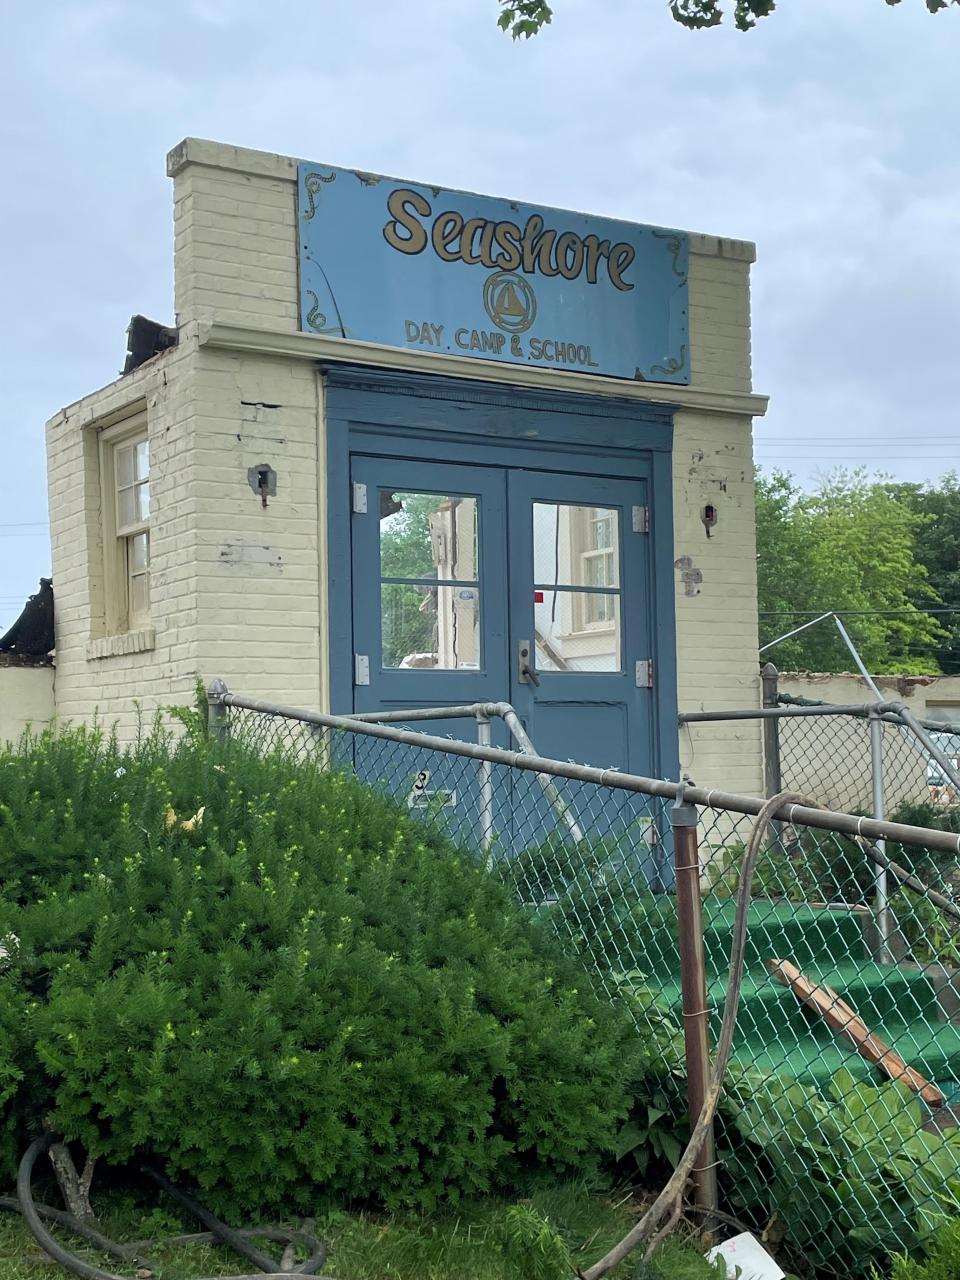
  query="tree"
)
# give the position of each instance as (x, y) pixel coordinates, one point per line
(408, 611)
(851, 547)
(938, 547)
(527, 17)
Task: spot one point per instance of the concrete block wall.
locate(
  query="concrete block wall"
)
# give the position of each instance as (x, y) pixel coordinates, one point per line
(26, 696)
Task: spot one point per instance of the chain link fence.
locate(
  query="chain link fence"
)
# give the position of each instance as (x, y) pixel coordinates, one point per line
(838, 1130)
(833, 757)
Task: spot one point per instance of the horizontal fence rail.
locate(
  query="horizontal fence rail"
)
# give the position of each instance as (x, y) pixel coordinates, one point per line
(712, 798)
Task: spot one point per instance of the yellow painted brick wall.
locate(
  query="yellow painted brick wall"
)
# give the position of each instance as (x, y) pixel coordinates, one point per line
(240, 592)
(716, 575)
(96, 675)
(235, 236)
(717, 666)
(258, 567)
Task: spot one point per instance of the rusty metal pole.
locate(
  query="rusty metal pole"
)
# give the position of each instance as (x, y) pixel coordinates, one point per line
(769, 679)
(693, 979)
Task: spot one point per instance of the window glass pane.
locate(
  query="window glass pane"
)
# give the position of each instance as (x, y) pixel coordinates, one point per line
(436, 627)
(598, 569)
(143, 500)
(426, 535)
(126, 508)
(142, 450)
(124, 457)
(577, 631)
(139, 594)
(139, 552)
(575, 546)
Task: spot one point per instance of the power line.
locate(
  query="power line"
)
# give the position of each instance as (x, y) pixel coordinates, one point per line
(874, 613)
(872, 440)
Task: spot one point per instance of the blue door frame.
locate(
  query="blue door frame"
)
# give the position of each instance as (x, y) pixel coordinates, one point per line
(476, 425)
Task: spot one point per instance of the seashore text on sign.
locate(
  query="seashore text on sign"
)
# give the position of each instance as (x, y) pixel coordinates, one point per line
(428, 269)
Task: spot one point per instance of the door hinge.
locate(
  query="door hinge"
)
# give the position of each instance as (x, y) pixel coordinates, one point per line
(641, 519)
(644, 673)
(361, 668)
(359, 498)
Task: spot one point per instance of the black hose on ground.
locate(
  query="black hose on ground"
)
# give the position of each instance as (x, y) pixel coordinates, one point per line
(219, 1232)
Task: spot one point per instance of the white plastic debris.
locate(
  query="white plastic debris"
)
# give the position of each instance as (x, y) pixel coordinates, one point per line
(9, 949)
(746, 1259)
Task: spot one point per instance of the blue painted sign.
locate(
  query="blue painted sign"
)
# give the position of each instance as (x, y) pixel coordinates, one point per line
(428, 269)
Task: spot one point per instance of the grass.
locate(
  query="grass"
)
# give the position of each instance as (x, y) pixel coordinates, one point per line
(468, 1244)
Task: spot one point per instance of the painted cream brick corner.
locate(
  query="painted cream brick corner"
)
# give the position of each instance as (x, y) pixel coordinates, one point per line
(240, 589)
(121, 677)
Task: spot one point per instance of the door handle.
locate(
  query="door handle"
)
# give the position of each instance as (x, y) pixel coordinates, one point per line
(526, 673)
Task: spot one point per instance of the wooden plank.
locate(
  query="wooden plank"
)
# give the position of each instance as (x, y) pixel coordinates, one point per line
(839, 1016)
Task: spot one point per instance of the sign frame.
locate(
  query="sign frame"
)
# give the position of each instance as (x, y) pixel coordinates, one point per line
(425, 268)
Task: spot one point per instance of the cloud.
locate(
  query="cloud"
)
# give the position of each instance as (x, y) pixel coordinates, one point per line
(826, 135)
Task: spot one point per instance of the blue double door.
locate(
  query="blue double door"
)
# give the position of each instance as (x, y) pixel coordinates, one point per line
(527, 584)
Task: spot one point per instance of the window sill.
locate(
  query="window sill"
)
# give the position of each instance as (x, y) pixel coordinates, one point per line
(588, 633)
(140, 641)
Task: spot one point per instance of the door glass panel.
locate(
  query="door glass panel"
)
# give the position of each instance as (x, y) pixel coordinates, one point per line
(429, 581)
(575, 546)
(576, 569)
(577, 630)
(427, 535)
(426, 626)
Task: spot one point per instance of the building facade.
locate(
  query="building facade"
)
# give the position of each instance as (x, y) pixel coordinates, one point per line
(420, 448)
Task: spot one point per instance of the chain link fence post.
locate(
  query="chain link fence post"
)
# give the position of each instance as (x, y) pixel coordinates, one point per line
(693, 981)
(769, 679)
(218, 716)
(880, 908)
(486, 789)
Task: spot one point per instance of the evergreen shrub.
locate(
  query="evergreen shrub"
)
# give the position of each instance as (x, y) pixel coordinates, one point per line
(300, 991)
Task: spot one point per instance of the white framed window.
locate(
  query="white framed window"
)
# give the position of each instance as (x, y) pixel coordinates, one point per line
(599, 565)
(125, 491)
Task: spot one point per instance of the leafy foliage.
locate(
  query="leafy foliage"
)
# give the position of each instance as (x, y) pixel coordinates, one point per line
(410, 622)
(851, 1176)
(851, 545)
(533, 1245)
(938, 547)
(674, 1260)
(526, 17)
(304, 991)
(780, 872)
(942, 1256)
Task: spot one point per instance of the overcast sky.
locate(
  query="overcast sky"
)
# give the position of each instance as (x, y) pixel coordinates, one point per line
(828, 136)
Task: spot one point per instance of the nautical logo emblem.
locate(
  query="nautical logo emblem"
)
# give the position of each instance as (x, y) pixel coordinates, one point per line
(509, 301)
